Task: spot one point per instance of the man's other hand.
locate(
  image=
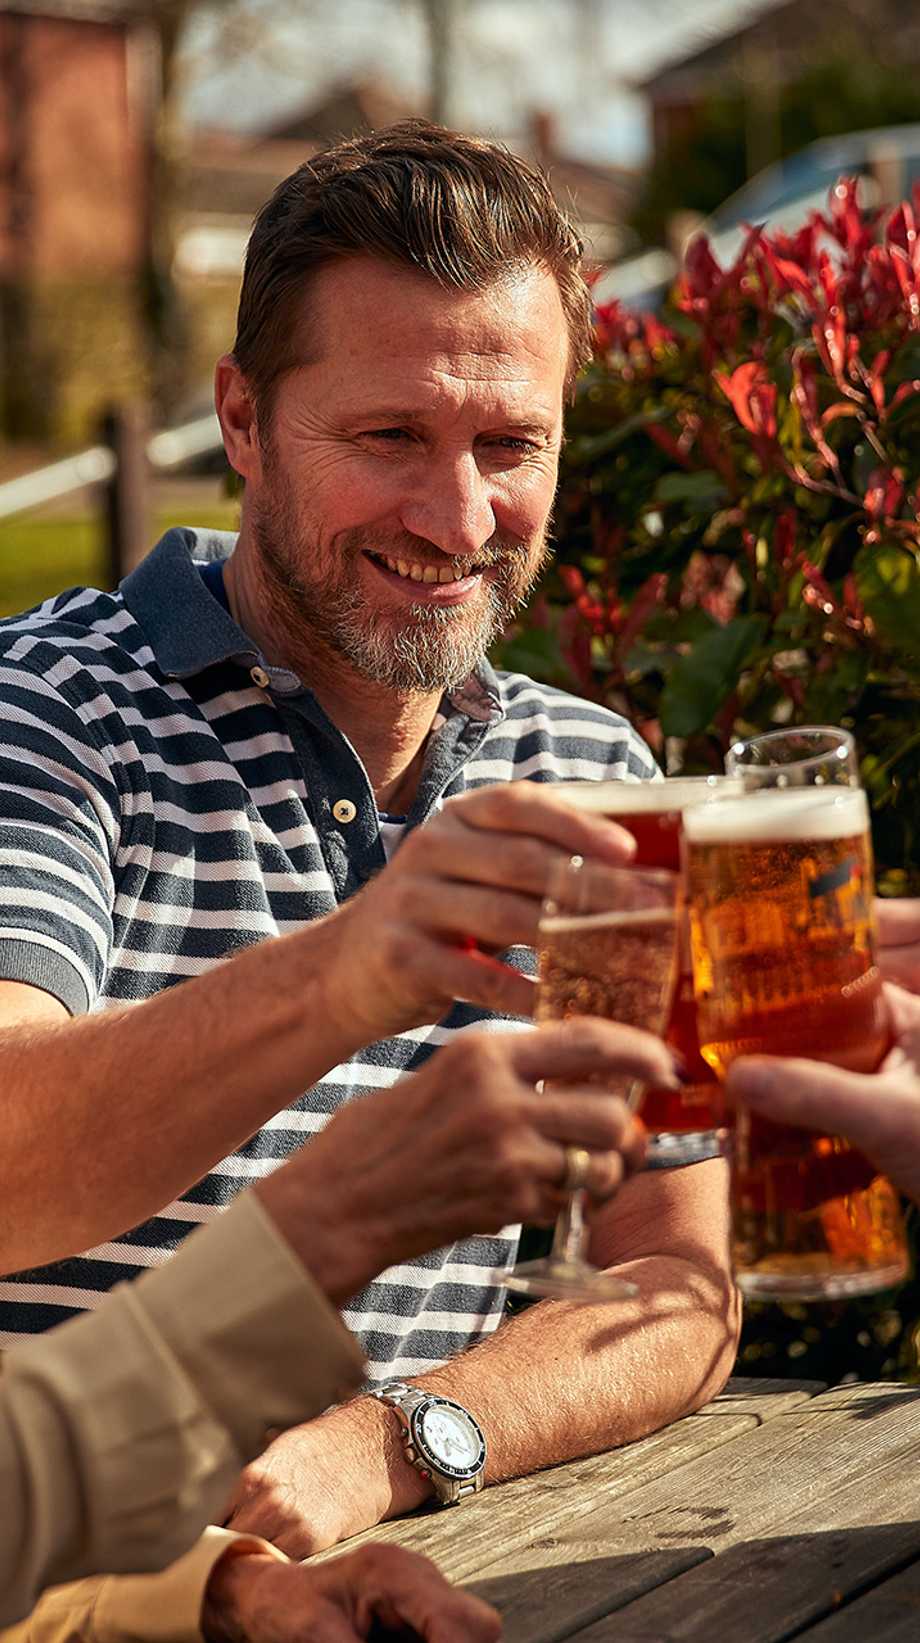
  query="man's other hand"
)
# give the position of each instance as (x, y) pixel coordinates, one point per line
(458, 891)
(466, 1145)
(879, 1112)
(898, 940)
(256, 1598)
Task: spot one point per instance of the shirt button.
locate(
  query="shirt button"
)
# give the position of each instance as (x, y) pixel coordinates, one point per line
(259, 677)
(344, 811)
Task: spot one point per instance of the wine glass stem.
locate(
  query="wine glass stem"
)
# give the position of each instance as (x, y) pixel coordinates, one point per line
(569, 1236)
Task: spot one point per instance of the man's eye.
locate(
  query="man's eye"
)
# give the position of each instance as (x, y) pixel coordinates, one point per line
(387, 433)
(513, 442)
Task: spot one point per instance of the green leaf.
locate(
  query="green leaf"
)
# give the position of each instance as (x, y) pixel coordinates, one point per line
(703, 490)
(701, 680)
(888, 578)
(534, 652)
(586, 448)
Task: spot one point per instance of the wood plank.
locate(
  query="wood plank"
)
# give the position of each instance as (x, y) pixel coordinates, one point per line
(801, 1515)
(890, 1613)
(548, 1598)
(540, 1506)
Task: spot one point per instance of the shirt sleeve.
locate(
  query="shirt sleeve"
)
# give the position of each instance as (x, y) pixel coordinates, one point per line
(157, 1608)
(60, 824)
(122, 1432)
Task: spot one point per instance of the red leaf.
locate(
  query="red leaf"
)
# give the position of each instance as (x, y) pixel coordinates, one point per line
(884, 493)
(752, 397)
(650, 594)
(572, 580)
(902, 393)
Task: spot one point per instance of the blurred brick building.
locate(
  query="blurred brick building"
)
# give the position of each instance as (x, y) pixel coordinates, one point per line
(77, 82)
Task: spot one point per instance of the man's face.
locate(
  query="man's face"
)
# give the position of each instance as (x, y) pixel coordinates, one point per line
(400, 507)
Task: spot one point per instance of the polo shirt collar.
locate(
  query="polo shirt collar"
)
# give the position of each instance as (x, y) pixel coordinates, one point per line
(189, 630)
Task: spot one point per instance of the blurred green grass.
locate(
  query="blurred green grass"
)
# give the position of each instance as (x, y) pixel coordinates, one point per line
(42, 556)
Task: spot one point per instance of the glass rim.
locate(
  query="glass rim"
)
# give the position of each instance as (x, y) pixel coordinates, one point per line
(648, 798)
(837, 742)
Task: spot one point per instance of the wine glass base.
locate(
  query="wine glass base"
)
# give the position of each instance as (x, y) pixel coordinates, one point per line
(671, 1148)
(759, 1285)
(554, 1280)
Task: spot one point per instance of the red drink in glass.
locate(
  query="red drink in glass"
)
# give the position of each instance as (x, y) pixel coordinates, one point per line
(652, 812)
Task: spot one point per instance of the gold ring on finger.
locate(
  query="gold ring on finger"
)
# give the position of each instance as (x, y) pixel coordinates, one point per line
(577, 1165)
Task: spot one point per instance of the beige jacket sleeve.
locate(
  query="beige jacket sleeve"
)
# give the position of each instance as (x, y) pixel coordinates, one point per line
(122, 1431)
(158, 1608)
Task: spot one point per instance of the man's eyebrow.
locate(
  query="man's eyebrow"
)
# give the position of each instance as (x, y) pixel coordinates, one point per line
(399, 416)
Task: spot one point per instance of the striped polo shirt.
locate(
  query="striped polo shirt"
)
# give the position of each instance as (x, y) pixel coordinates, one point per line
(167, 798)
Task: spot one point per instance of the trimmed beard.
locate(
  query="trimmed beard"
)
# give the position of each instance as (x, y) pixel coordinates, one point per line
(435, 650)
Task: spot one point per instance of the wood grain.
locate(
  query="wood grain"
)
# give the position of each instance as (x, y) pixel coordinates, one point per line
(800, 1515)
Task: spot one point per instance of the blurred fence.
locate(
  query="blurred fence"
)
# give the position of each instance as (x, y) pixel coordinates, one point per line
(120, 467)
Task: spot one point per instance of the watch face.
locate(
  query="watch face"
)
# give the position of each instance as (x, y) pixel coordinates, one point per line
(447, 1435)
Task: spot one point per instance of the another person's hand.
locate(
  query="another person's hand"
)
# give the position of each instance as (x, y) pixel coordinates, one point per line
(879, 1112)
(458, 891)
(465, 1145)
(898, 940)
(256, 1598)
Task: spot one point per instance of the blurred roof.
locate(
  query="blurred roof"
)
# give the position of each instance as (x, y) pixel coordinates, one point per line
(226, 176)
(791, 32)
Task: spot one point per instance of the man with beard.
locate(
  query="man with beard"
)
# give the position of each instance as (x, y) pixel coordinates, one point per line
(231, 746)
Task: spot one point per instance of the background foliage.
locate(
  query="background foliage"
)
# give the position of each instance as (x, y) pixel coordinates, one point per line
(845, 92)
(738, 547)
(738, 542)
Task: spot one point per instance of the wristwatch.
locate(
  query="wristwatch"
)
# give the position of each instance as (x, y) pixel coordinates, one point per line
(441, 1439)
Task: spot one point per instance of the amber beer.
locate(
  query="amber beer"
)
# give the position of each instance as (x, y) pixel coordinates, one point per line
(618, 965)
(779, 886)
(652, 812)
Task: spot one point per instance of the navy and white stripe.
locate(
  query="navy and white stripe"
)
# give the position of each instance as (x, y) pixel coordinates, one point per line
(161, 809)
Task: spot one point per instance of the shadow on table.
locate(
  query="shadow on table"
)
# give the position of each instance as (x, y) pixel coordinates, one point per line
(759, 1591)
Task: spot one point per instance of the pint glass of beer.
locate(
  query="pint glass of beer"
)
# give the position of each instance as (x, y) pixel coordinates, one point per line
(779, 885)
(688, 1124)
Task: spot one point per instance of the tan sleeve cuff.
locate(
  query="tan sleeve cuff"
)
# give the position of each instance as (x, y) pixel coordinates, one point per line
(250, 1327)
(166, 1608)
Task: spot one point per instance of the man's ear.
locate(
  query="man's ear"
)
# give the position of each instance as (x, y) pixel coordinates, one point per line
(237, 415)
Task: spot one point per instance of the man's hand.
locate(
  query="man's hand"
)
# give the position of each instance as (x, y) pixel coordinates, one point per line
(879, 1112)
(459, 890)
(898, 940)
(465, 1145)
(256, 1598)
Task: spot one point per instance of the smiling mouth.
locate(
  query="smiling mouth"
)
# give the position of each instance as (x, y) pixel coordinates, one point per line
(410, 571)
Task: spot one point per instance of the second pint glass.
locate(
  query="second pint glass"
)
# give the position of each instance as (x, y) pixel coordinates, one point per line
(779, 885)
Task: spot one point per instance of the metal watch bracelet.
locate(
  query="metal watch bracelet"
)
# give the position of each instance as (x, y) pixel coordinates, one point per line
(405, 1400)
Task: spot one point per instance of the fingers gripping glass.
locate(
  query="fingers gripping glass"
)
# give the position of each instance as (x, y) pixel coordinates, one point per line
(607, 947)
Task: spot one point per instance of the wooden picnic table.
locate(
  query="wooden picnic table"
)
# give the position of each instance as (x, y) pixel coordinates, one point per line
(781, 1510)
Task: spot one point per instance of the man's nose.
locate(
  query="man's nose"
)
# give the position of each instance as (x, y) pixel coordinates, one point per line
(451, 508)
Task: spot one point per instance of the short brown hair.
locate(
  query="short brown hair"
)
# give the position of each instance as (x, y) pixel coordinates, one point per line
(460, 209)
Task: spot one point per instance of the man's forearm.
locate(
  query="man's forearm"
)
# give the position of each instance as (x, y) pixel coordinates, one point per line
(564, 1380)
(147, 1097)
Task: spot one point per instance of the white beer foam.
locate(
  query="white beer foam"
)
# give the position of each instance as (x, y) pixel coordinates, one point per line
(554, 923)
(781, 815)
(647, 798)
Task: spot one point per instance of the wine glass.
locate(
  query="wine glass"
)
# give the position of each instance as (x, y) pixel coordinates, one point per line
(608, 945)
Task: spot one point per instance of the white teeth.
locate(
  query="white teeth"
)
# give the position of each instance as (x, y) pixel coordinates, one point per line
(423, 573)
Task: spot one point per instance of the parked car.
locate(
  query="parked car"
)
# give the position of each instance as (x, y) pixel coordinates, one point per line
(781, 196)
